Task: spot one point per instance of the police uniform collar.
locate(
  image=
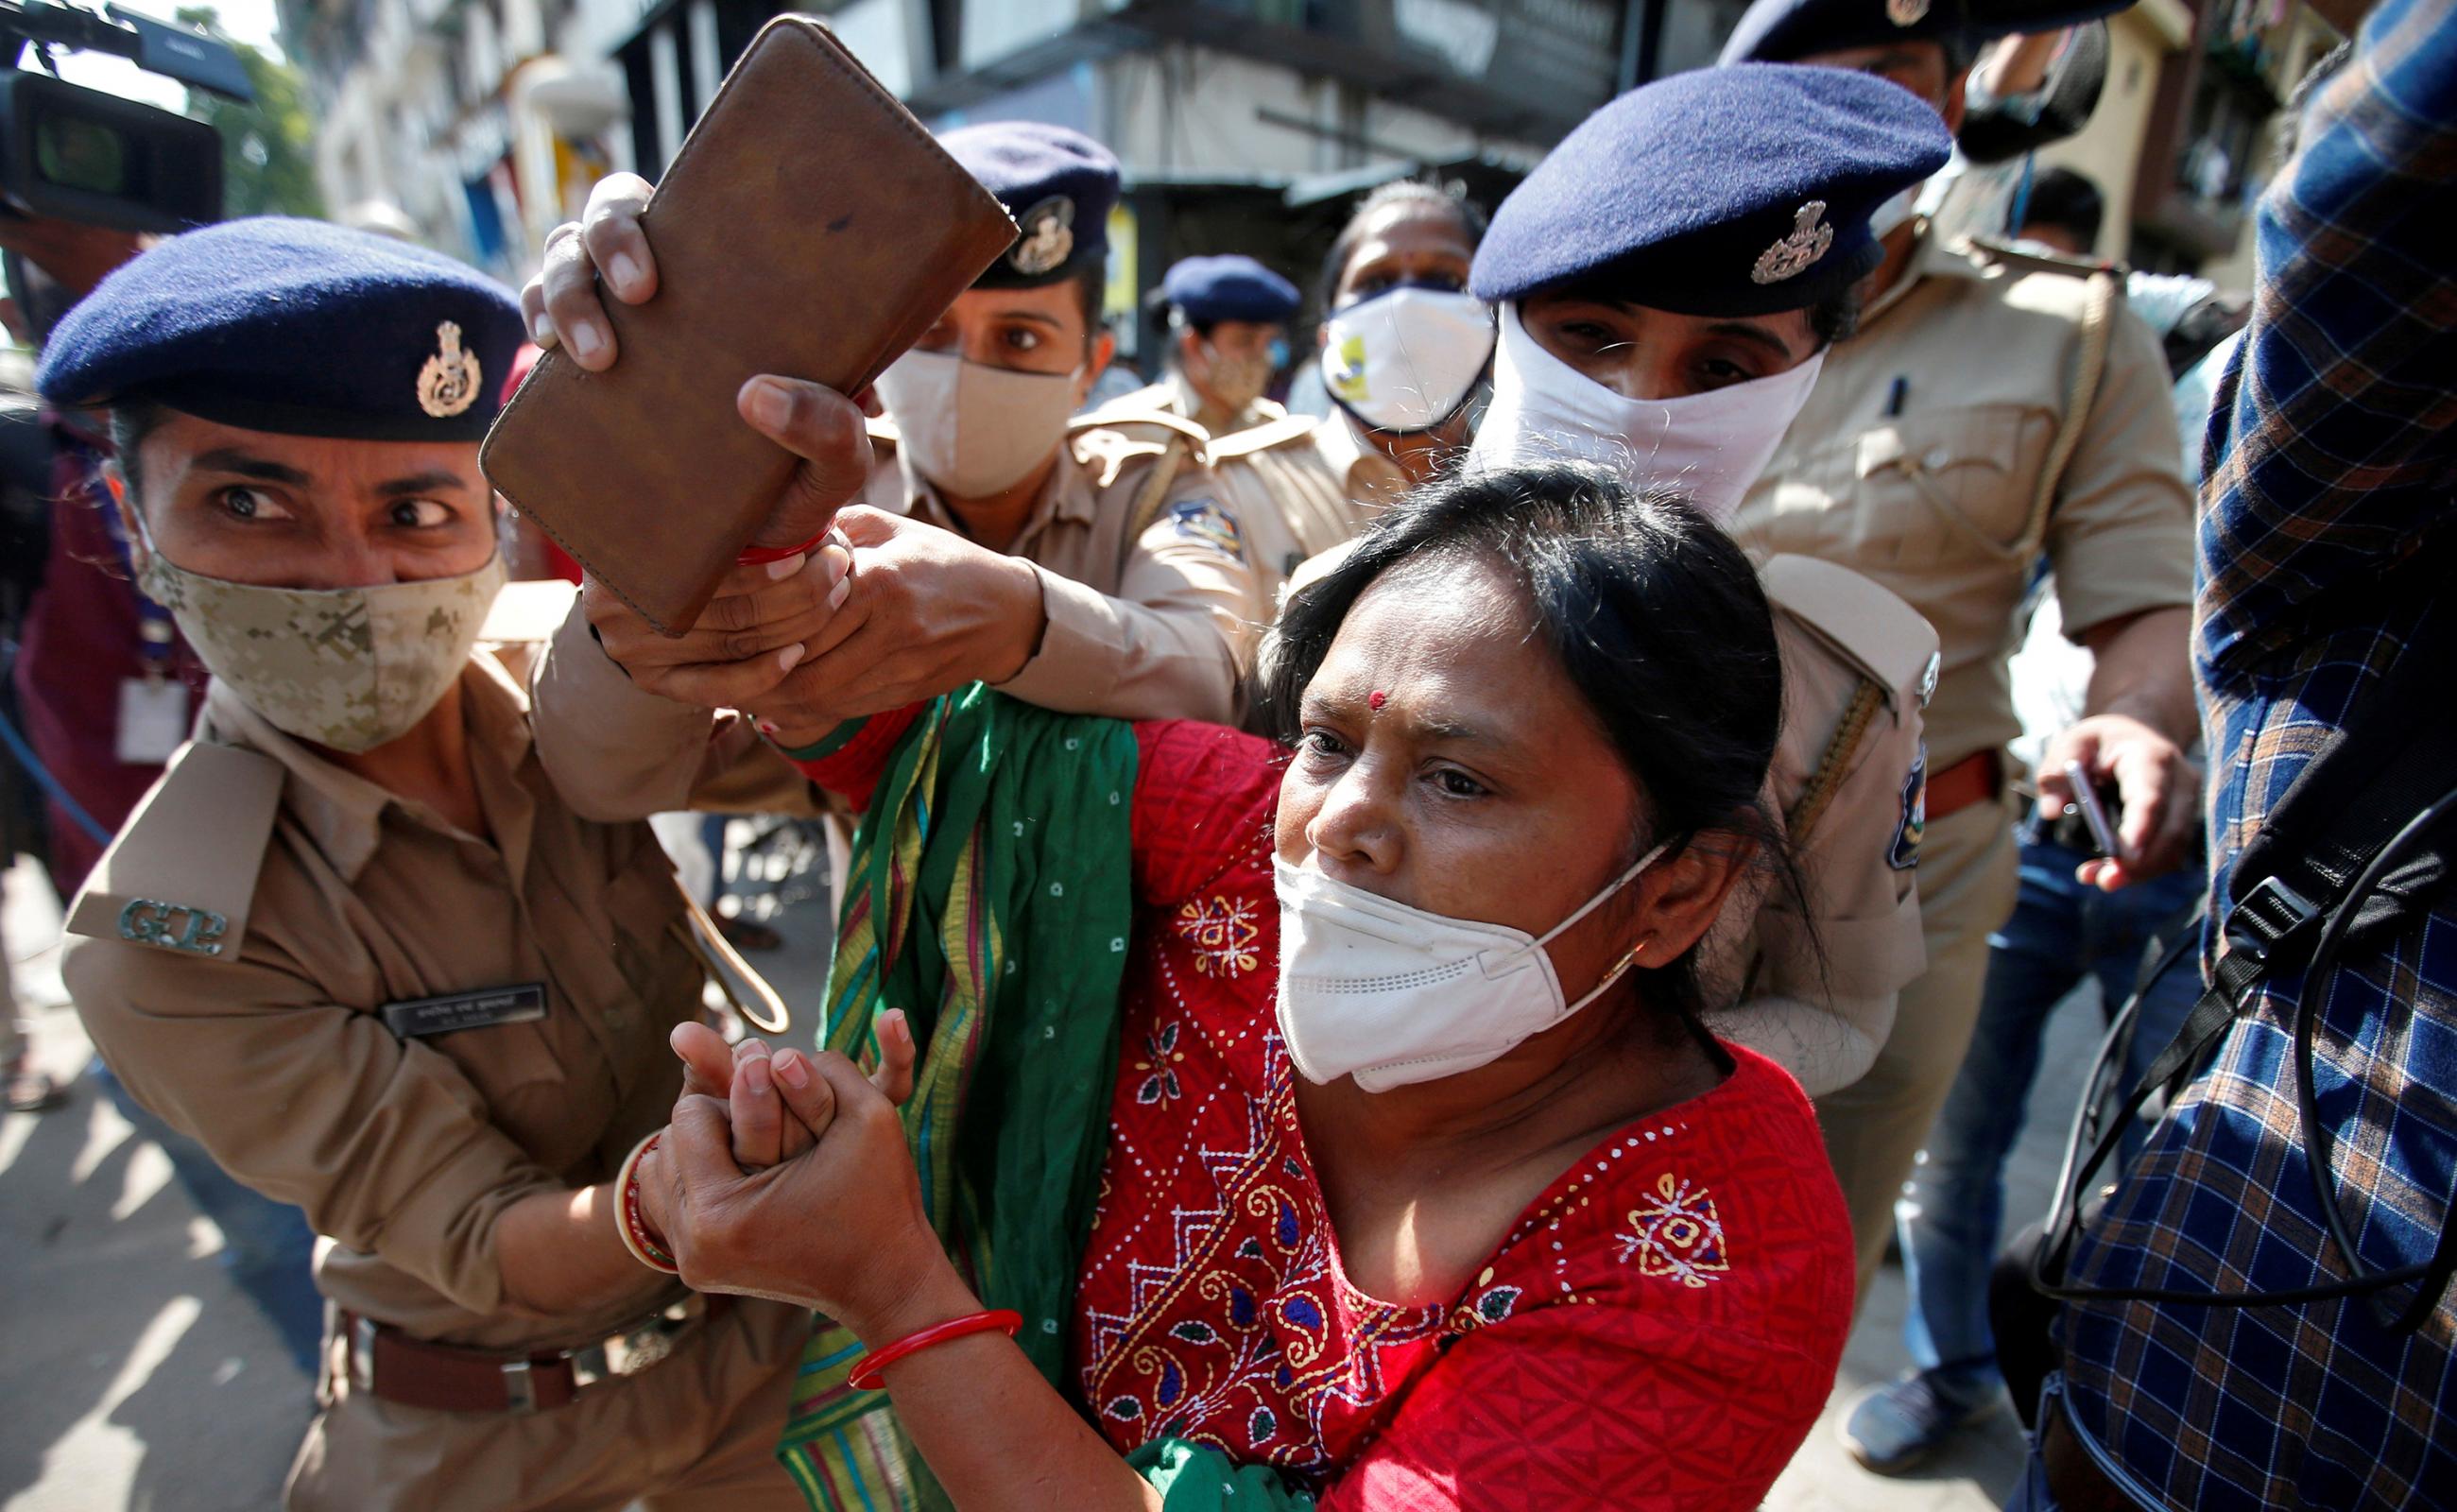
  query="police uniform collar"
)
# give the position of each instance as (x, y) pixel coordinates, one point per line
(1352, 454)
(1932, 256)
(342, 811)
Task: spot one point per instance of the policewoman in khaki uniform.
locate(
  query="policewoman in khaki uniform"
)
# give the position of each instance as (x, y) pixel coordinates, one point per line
(1634, 336)
(1993, 408)
(1227, 337)
(354, 942)
(1404, 350)
(1071, 564)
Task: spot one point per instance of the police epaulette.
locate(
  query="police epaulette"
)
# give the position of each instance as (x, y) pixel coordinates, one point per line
(1112, 417)
(2024, 259)
(1264, 436)
(1875, 632)
(181, 873)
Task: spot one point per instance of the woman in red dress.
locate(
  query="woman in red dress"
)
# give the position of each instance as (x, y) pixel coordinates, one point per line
(1424, 1186)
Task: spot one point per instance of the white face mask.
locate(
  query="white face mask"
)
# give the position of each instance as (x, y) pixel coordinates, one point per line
(1407, 360)
(971, 429)
(1393, 995)
(1709, 448)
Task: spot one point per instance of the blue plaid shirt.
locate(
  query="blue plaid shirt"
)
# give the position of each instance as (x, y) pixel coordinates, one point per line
(2333, 453)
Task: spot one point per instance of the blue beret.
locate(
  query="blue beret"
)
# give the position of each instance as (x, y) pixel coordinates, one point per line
(1739, 191)
(292, 326)
(1785, 31)
(1058, 184)
(1228, 288)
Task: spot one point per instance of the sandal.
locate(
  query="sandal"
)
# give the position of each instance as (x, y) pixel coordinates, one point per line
(31, 1091)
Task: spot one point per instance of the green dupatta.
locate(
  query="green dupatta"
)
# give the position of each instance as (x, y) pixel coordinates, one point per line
(989, 897)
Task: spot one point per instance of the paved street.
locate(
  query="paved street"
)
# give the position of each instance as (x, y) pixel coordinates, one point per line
(139, 1377)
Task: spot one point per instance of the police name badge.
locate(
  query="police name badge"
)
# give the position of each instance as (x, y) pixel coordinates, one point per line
(153, 720)
(521, 1003)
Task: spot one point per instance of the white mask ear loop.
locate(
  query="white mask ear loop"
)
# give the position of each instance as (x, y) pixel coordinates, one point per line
(1598, 900)
(1621, 967)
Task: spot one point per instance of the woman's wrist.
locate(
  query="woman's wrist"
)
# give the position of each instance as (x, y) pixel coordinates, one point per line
(934, 1295)
(791, 733)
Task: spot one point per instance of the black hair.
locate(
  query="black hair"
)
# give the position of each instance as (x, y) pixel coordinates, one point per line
(1172, 356)
(2067, 200)
(1092, 281)
(1835, 316)
(132, 421)
(1449, 199)
(1659, 620)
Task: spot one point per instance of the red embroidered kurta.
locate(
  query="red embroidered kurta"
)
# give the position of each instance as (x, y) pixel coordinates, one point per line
(1659, 1330)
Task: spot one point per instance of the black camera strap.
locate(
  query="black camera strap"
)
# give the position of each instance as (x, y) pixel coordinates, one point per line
(2354, 854)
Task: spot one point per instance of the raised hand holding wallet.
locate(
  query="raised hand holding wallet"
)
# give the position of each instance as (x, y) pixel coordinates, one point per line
(809, 228)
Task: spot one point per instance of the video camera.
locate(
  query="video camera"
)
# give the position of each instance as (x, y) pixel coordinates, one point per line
(77, 153)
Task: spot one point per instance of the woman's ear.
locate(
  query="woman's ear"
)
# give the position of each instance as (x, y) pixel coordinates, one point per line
(131, 529)
(1683, 895)
(1105, 346)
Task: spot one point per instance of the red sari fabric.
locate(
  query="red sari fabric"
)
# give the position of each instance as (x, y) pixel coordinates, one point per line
(1659, 1330)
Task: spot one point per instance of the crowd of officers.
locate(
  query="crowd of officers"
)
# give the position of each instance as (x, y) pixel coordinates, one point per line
(358, 948)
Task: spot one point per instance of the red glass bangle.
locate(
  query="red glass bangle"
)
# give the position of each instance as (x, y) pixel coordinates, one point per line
(865, 1376)
(633, 1222)
(762, 556)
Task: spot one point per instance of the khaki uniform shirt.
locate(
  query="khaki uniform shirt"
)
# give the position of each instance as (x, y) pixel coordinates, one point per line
(1149, 598)
(1173, 395)
(1847, 782)
(1933, 494)
(1298, 485)
(275, 1055)
(1302, 485)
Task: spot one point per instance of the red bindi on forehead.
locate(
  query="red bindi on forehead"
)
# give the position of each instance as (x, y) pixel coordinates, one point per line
(1376, 698)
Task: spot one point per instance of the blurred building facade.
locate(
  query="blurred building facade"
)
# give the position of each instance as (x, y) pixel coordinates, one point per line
(1242, 123)
(2181, 143)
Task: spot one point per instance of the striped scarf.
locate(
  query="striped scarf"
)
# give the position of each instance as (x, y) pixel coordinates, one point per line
(989, 897)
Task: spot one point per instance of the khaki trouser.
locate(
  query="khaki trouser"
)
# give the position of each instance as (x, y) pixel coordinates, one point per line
(694, 1433)
(1969, 879)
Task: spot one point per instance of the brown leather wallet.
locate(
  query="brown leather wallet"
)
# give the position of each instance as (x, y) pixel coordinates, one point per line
(810, 227)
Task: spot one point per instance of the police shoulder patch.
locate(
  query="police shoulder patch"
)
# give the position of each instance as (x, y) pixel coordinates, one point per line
(1904, 853)
(1202, 519)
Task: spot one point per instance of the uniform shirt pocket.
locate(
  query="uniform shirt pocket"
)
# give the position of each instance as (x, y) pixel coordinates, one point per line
(1957, 485)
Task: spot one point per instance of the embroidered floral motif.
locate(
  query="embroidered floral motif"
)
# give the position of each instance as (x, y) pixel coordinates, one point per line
(1486, 1303)
(1677, 1233)
(1246, 1328)
(1161, 1058)
(1224, 932)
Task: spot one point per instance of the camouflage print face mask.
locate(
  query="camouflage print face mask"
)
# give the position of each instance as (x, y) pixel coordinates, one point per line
(348, 667)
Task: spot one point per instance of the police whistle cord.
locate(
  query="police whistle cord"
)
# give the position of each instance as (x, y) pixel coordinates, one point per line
(49, 784)
(2264, 932)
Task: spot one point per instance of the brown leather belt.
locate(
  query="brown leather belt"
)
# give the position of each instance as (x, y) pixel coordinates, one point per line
(1978, 777)
(387, 1363)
